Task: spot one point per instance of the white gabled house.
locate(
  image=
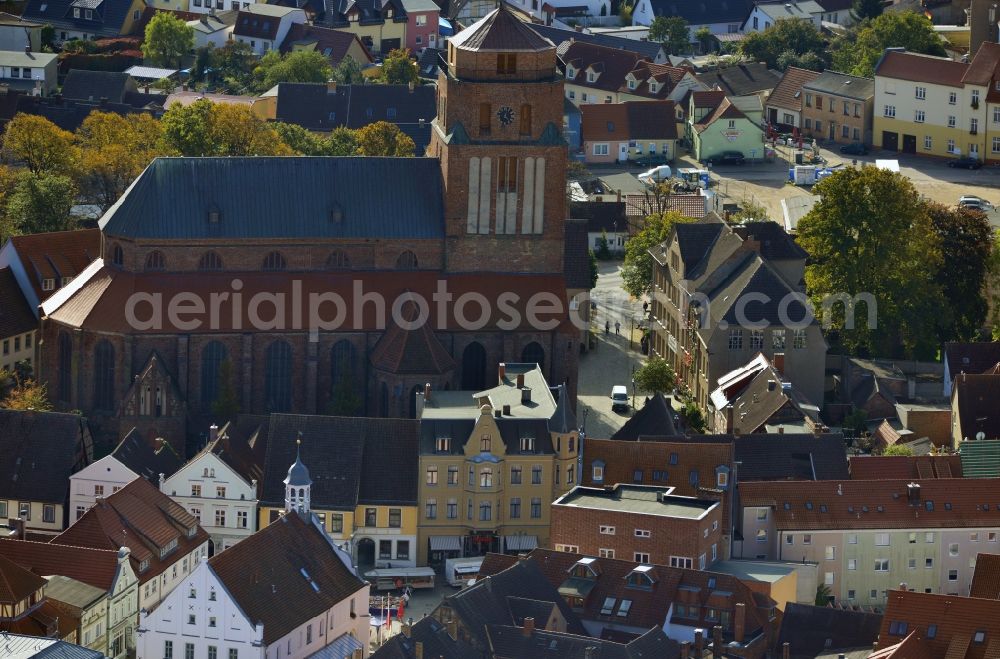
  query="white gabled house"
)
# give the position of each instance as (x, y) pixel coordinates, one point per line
(239, 604)
(133, 458)
(219, 485)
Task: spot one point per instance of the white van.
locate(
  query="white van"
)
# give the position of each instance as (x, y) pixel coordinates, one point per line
(619, 398)
(459, 572)
(655, 175)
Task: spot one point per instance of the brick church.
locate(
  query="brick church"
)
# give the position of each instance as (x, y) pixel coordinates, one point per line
(196, 308)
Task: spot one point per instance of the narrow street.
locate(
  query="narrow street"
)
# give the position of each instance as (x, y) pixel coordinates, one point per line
(611, 362)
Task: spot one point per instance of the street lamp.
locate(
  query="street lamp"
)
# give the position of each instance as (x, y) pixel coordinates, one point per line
(633, 387)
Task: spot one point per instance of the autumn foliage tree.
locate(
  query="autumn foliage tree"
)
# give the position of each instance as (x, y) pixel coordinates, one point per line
(39, 145)
(114, 150)
(384, 139)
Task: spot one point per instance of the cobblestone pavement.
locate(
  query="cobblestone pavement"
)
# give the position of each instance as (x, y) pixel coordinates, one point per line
(611, 362)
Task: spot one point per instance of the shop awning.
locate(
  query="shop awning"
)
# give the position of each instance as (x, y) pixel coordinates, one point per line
(446, 543)
(520, 542)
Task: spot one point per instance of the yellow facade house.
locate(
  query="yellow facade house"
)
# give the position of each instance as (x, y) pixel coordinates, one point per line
(938, 107)
(491, 463)
(362, 484)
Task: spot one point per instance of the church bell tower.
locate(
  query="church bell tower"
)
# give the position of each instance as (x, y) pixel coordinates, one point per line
(498, 134)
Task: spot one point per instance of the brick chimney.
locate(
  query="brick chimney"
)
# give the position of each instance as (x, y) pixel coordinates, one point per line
(528, 627)
(786, 650)
(778, 362)
(418, 650)
(686, 650)
(427, 392)
(739, 622)
(502, 372)
(699, 642)
(453, 629)
(213, 432)
(520, 380)
(717, 642)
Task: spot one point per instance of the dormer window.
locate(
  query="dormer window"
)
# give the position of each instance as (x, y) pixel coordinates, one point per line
(442, 445)
(591, 76)
(143, 565)
(630, 81)
(570, 72)
(527, 445)
(641, 577)
(653, 86)
(169, 547)
(48, 284)
(585, 568)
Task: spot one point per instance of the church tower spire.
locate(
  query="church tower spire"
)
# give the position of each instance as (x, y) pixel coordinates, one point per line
(498, 134)
(298, 485)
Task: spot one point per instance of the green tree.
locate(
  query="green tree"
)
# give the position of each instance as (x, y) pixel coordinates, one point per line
(209, 129)
(594, 270)
(227, 405)
(966, 246)
(48, 38)
(993, 286)
(672, 32)
(655, 377)
(750, 211)
(898, 449)
(859, 50)
(384, 139)
(342, 142)
(165, 85)
(782, 38)
(296, 66)
(625, 15)
(26, 395)
(187, 129)
(870, 235)
(637, 271)
(867, 9)
(167, 40)
(399, 69)
(603, 250)
(114, 149)
(40, 145)
(347, 72)
(234, 66)
(822, 595)
(41, 203)
(301, 140)
(694, 417)
(703, 36)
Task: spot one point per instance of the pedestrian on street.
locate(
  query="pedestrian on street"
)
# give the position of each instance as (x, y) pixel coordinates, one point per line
(607, 327)
(618, 327)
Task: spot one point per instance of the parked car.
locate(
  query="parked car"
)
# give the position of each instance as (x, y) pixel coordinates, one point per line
(972, 201)
(656, 174)
(619, 398)
(727, 158)
(966, 162)
(854, 149)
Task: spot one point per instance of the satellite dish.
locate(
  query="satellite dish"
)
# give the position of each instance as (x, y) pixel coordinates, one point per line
(980, 435)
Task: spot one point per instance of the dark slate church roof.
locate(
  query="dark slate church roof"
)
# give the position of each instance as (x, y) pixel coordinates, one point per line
(377, 197)
(655, 419)
(349, 459)
(315, 107)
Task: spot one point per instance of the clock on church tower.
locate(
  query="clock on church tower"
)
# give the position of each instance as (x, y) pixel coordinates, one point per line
(498, 134)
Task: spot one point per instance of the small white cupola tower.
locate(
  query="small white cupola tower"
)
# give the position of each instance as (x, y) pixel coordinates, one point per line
(297, 483)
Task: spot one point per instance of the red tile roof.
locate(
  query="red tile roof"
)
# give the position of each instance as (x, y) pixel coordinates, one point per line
(788, 93)
(976, 357)
(335, 45)
(100, 302)
(16, 583)
(911, 647)
(692, 588)
(96, 567)
(612, 63)
(411, 350)
(895, 467)
(285, 574)
(724, 110)
(632, 120)
(56, 255)
(956, 621)
(984, 66)
(877, 504)
(142, 518)
(986, 579)
(921, 68)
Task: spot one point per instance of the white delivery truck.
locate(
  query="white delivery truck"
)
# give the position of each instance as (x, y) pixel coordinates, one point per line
(459, 571)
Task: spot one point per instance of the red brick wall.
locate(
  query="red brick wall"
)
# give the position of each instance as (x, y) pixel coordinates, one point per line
(670, 536)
